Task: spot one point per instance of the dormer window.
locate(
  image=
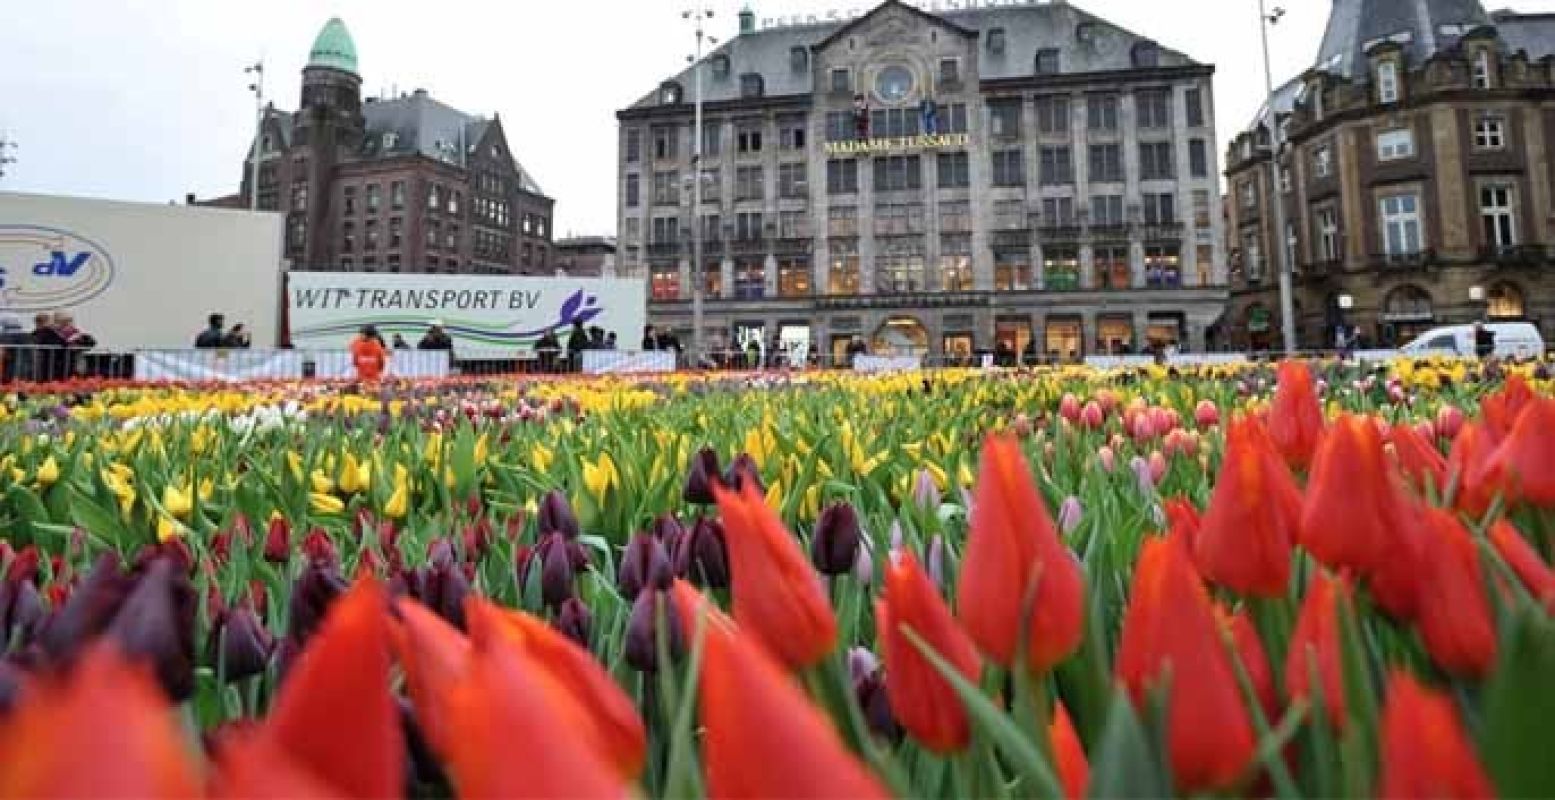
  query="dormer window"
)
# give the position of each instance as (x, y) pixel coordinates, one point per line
(720, 67)
(1047, 61)
(1482, 69)
(390, 139)
(1146, 55)
(751, 85)
(1387, 82)
(669, 94)
(996, 40)
(798, 59)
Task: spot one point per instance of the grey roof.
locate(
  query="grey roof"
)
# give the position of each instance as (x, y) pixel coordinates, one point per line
(1533, 34)
(1285, 98)
(1422, 27)
(420, 124)
(1027, 29)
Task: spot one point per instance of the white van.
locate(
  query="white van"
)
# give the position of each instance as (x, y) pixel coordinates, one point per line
(1513, 340)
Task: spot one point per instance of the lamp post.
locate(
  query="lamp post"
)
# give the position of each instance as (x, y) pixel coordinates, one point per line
(257, 69)
(698, 17)
(1287, 300)
(1478, 302)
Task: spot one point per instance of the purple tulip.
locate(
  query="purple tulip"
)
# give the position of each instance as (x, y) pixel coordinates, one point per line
(1070, 514)
(834, 546)
(869, 690)
(896, 534)
(556, 573)
(925, 493)
(313, 593)
(1141, 469)
(744, 472)
(645, 564)
(556, 515)
(701, 478)
(156, 623)
(702, 557)
(642, 642)
(936, 566)
(89, 612)
(668, 530)
(864, 567)
(239, 642)
(21, 611)
(575, 622)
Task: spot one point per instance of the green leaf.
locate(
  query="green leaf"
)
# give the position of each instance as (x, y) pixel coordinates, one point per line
(1124, 765)
(1520, 710)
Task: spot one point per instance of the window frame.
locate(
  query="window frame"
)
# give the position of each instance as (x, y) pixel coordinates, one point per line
(1396, 144)
(1404, 221)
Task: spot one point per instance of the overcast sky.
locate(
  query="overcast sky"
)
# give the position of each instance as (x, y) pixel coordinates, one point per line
(146, 99)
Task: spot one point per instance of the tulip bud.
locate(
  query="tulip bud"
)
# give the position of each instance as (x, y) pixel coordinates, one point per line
(864, 567)
(835, 543)
(320, 549)
(1143, 428)
(1157, 466)
(239, 645)
(312, 594)
(21, 611)
(88, 611)
(556, 515)
(156, 623)
(936, 561)
(1106, 457)
(1069, 407)
(278, 541)
(444, 589)
(642, 642)
(1141, 470)
(668, 530)
(575, 622)
(869, 690)
(556, 572)
(645, 564)
(1021, 425)
(701, 478)
(1091, 416)
(1449, 420)
(702, 557)
(744, 471)
(925, 493)
(896, 534)
(1070, 514)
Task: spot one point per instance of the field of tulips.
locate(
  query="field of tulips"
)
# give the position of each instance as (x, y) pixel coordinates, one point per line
(1299, 580)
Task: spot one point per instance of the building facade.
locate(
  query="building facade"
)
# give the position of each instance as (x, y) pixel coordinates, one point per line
(933, 183)
(586, 256)
(403, 184)
(1416, 181)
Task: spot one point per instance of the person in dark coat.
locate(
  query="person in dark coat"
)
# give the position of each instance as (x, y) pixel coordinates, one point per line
(1484, 341)
(237, 338)
(49, 354)
(436, 338)
(577, 342)
(650, 339)
(547, 348)
(214, 334)
(18, 353)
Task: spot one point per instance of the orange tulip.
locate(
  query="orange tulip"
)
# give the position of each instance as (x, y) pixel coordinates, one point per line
(1501, 410)
(1523, 460)
(1469, 463)
(1074, 772)
(923, 701)
(103, 730)
(1169, 634)
(1014, 563)
(1352, 503)
(434, 655)
(1315, 641)
(1182, 519)
(1419, 460)
(777, 597)
(1249, 648)
(1246, 537)
(763, 737)
(1536, 576)
(1295, 417)
(1455, 620)
(334, 723)
(1425, 751)
(507, 705)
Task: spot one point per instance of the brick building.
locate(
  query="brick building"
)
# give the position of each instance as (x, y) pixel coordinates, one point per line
(402, 184)
(1416, 182)
(933, 182)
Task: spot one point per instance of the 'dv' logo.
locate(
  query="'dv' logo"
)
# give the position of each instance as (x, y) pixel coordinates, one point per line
(59, 265)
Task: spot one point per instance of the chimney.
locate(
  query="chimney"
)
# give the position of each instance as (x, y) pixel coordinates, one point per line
(747, 21)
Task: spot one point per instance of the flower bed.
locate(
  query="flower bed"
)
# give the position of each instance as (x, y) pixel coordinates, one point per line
(1316, 581)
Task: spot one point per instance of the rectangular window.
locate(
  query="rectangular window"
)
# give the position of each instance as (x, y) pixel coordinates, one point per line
(1323, 161)
(1060, 269)
(747, 227)
(842, 176)
(1106, 163)
(434, 197)
(952, 118)
(791, 181)
(1489, 133)
(712, 185)
(1327, 235)
(1400, 224)
(794, 224)
(1387, 82)
(712, 140)
(955, 263)
(712, 231)
(792, 135)
(1101, 112)
(949, 70)
(894, 122)
(1497, 217)
(842, 221)
(1201, 209)
(1047, 61)
(1012, 271)
(396, 232)
(1057, 169)
(1396, 144)
(1153, 108)
(748, 140)
(793, 277)
(633, 190)
(454, 200)
(397, 195)
(1058, 212)
(665, 283)
(666, 230)
(452, 242)
(370, 242)
(842, 275)
(1004, 118)
(666, 188)
(1155, 161)
(750, 279)
(954, 170)
(1284, 180)
(1198, 158)
(350, 200)
(955, 215)
(1160, 209)
(1009, 215)
(900, 265)
(1163, 267)
(666, 142)
(1252, 256)
(898, 173)
(1194, 100)
(1053, 114)
(372, 198)
(300, 196)
(1107, 210)
(634, 145)
(841, 81)
(1482, 69)
(839, 127)
(348, 236)
(634, 229)
(1110, 266)
(1009, 168)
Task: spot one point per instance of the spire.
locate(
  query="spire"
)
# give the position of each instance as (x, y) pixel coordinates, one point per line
(334, 49)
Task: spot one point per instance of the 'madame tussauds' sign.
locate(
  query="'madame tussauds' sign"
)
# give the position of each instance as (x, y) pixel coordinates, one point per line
(325, 309)
(898, 144)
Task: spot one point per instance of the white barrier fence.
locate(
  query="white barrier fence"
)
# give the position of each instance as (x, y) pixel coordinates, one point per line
(600, 362)
(1181, 360)
(231, 366)
(865, 363)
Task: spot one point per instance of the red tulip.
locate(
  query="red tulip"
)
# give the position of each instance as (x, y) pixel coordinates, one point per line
(1255, 660)
(1418, 459)
(923, 701)
(1315, 642)
(1470, 465)
(1524, 458)
(1501, 410)
(1015, 563)
(1455, 619)
(1169, 634)
(763, 737)
(1425, 751)
(1536, 576)
(1074, 772)
(1182, 519)
(777, 598)
(1092, 416)
(1245, 541)
(278, 541)
(434, 655)
(103, 730)
(1295, 417)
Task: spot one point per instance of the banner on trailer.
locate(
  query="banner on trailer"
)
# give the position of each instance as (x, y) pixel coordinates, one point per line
(327, 309)
(229, 366)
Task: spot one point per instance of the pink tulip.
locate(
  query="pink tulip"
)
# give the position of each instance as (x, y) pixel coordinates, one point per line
(1206, 414)
(1143, 428)
(1157, 466)
(1021, 426)
(1108, 400)
(1092, 416)
(1069, 407)
(1162, 420)
(1449, 420)
(1107, 458)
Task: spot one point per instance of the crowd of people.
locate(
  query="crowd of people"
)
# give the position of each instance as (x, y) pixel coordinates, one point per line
(51, 351)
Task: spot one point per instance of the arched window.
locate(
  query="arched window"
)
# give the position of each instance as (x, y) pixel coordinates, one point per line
(1505, 301)
(1408, 303)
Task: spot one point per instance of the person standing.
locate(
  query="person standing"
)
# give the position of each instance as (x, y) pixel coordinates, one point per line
(48, 356)
(1484, 341)
(436, 338)
(650, 339)
(368, 355)
(577, 342)
(237, 338)
(214, 334)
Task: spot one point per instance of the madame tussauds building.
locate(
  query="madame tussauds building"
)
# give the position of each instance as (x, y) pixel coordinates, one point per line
(934, 181)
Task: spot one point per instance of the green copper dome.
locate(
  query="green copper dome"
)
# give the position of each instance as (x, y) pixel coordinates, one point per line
(333, 48)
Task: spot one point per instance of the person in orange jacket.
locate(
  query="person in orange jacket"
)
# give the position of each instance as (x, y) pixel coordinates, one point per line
(368, 355)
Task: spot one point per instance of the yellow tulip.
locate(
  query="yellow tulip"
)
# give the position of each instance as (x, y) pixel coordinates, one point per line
(599, 476)
(17, 475)
(168, 529)
(325, 503)
(178, 502)
(355, 477)
(810, 507)
(399, 502)
(48, 473)
(775, 495)
(541, 457)
(964, 475)
(207, 488)
(941, 480)
(321, 482)
(482, 449)
(294, 463)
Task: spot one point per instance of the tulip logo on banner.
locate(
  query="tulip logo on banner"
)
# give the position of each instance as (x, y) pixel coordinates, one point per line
(44, 269)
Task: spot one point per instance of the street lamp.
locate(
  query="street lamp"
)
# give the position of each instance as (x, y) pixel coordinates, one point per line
(1287, 300)
(1346, 302)
(257, 69)
(698, 17)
